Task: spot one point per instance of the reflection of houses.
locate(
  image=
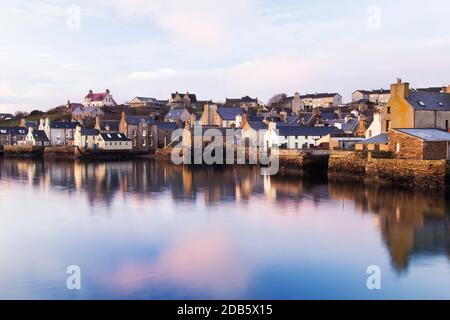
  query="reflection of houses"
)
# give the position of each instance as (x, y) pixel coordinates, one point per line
(411, 223)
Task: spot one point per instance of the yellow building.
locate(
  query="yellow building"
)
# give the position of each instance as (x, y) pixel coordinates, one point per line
(409, 108)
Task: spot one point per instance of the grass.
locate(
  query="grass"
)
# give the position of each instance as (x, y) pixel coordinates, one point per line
(14, 122)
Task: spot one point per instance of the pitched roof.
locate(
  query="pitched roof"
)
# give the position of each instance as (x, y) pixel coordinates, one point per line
(96, 96)
(329, 116)
(135, 120)
(89, 132)
(256, 125)
(14, 131)
(63, 125)
(434, 101)
(318, 95)
(167, 125)
(229, 114)
(174, 114)
(426, 134)
(112, 124)
(379, 139)
(192, 97)
(307, 131)
(40, 135)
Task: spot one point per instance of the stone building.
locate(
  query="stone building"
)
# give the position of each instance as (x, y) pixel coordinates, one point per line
(141, 130)
(416, 109)
(419, 144)
(178, 100)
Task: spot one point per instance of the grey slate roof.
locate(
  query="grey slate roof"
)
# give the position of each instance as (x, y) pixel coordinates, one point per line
(307, 131)
(427, 134)
(63, 125)
(329, 116)
(135, 120)
(174, 114)
(318, 95)
(89, 132)
(229, 113)
(167, 126)
(14, 131)
(39, 135)
(256, 125)
(113, 125)
(379, 139)
(433, 101)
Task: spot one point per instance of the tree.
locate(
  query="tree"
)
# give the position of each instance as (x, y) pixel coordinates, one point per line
(277, 99)
(36, 113)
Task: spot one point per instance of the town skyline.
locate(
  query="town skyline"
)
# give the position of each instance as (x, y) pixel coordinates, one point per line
(49, 50)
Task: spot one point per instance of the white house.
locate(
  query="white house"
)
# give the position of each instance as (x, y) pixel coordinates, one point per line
(37, 138)
(85, 138)
(99, 99)
(113, 141)
(375, 128)
(295, 137)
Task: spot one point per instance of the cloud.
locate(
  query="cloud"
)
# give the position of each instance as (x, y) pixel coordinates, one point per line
(6, 90)
(150, 75)
(196, 23)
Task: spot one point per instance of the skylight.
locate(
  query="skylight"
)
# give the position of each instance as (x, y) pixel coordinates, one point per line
(421, 103)
(109, 136)
(119, 135)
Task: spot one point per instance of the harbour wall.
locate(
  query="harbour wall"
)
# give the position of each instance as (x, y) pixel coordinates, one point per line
(379, 168)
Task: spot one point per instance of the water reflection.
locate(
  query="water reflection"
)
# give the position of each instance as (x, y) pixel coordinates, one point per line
(318, 226)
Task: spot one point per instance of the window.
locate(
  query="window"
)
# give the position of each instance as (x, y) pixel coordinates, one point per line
(388, 110)
(446, 125)
(388, 125)
(397, 147)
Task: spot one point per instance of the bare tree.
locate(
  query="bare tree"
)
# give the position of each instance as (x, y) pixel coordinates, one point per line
(277, 99)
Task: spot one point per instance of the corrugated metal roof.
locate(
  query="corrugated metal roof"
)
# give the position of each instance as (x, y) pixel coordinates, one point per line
(427, 134)
(379, 139)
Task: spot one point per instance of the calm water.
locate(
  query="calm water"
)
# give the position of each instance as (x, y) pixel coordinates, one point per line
(147, 230)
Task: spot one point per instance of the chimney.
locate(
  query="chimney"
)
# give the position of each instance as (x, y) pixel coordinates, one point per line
(400, 89)
(447, 90)
(22, 123)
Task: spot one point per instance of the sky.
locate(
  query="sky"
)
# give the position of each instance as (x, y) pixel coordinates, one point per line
(55, 50)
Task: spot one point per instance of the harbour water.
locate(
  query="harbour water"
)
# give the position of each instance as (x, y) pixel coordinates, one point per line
(143, 229)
